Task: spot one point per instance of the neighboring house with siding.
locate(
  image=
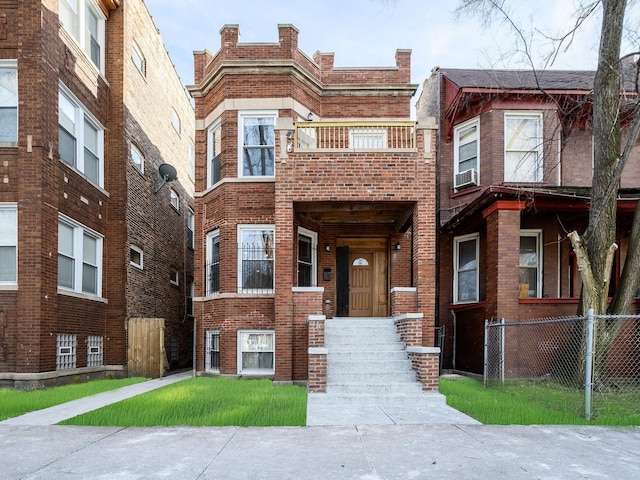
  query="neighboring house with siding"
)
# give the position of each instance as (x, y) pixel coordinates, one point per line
(515, 165)
(89, 236)
(315, 198)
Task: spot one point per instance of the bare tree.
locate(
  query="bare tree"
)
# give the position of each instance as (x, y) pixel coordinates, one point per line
(595, 248)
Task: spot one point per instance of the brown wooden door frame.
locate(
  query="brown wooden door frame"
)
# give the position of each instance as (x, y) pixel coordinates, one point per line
(378, 248)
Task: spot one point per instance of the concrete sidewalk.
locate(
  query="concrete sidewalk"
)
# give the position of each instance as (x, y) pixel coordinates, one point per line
(355, 452)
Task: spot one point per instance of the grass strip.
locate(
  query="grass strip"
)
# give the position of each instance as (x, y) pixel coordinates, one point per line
(524, 403)
(16, 402)
(206, 401)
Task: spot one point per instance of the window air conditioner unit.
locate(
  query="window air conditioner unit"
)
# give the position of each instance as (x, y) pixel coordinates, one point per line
(466, 178)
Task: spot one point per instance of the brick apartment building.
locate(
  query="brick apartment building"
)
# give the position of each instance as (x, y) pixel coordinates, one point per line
(514, 174)
(90, 236)
(315, 199)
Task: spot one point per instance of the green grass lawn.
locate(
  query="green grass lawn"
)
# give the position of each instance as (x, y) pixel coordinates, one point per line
(16, 402)
(527, 403)
(206, 401)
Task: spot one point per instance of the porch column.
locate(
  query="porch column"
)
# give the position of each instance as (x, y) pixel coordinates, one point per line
(283, 321)
(424, 261)
(502, 253)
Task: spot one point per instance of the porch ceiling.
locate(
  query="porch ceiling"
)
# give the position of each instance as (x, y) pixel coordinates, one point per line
(390, 213)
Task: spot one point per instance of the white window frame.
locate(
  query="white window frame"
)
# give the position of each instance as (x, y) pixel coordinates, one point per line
(214, 146)
(95, 351)
(137, 158)
(80, 116)
(138, 59)
(140, 252)
(241, 254)
(77, 255)
(524, 177)
(66, 348)
(174, 276)
(213, 237)
(256, 371)
(457, 270)
(77, 24)
(174, 198)
(212, 345)
(192, 161)
(9, 237)
(314, 255)
(242, 116)
(191, 230)
(10, 103)
(175, 121)
(537, 234)
(368, 138)
(457, 131)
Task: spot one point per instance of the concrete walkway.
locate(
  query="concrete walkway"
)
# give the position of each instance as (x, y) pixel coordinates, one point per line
(58, 413)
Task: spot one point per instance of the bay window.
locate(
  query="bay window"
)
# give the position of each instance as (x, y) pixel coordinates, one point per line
(85, 22)
(79, 258)
(257, 144)
(530, 268)
(256, 258)
(256, 352)
(8, 101)
(465, 269)
(8, 243)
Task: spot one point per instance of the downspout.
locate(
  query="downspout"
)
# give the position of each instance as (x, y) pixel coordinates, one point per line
(455, 325)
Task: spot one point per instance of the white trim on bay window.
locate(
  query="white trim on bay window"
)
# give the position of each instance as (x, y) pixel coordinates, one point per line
(530, 264)
(466, 151)
(214, 148)
(256, 143)
(256, 352)
(307, 258)
(256, 259)
(466, 251)
(212, 268)
(523, 155)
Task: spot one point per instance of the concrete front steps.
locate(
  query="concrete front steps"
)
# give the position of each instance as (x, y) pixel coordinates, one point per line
(367, 365)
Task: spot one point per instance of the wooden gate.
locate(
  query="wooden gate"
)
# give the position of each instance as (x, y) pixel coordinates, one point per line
(145, 352)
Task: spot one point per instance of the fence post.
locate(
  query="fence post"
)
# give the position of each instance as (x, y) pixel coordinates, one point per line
(486, 353)
(502, 349)
(588, 368)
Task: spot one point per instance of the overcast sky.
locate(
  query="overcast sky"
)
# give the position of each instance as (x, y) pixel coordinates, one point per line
(368, 32)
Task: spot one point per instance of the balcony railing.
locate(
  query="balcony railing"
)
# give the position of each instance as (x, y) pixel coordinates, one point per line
(350, 136)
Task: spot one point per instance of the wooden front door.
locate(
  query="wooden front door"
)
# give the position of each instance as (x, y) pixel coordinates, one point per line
(361, 284)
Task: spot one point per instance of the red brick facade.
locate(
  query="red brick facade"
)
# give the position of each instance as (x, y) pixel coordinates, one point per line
(352, 199)
(497, 212)
(119, 207)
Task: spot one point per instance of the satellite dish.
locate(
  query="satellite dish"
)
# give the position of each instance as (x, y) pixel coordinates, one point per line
(167, 172)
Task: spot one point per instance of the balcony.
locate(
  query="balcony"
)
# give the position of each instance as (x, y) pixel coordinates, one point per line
(354, 136)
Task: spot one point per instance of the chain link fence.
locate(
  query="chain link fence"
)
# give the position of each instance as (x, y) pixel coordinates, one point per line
(588, 366)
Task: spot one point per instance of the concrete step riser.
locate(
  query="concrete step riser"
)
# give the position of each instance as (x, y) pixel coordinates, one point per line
(386, 400)
(367, 356)
(370, 377)
(408, 388)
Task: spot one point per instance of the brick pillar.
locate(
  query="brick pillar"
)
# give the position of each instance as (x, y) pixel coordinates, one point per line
(283, 293)
(502, 253)
(317, 355)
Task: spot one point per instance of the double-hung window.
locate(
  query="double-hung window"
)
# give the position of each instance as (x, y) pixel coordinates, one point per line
(190, 228)
(137, 159)
(212, 354)
(174, 198)
(257, 144)
(79, 257)
(84, 20)
(523, 147)
(465, 268)
(138, 59)
(530, 273)
(214, 147)
(8, 243)
(466, 153)
(307, 257)
(256, 352)
(8, 101)
(256, 258)
(213, 262)
(80, 138)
